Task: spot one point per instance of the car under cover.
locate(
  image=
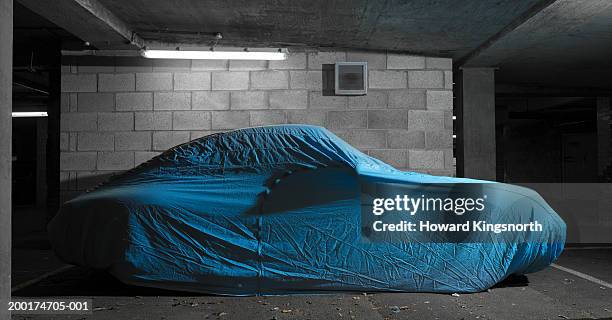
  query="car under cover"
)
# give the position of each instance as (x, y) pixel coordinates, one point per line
(276, 210)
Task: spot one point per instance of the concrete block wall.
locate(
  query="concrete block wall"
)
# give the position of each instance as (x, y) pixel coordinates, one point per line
(118, 112)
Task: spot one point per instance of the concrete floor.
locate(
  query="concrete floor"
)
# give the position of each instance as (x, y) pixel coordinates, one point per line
(549, 294)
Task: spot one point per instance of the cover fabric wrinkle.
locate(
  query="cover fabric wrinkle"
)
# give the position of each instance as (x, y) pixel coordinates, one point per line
(276, 210)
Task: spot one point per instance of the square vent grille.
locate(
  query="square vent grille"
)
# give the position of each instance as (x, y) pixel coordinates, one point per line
(351, 78)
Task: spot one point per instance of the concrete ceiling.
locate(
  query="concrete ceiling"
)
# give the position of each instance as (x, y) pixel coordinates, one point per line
(447, 28)
(567, 44)
(443, 28)
(542, 42)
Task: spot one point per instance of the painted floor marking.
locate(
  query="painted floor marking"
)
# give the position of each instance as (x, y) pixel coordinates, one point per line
(589, 248)
(583, 276)
(40, 278)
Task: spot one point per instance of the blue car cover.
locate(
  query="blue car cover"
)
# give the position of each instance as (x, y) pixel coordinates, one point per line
(278, 210)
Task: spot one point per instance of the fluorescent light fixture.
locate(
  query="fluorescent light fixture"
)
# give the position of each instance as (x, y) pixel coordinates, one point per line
(31, 114)
(219, 55)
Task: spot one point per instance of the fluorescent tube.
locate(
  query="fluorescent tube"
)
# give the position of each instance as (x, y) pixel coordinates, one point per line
(29, 114)
(220, 55)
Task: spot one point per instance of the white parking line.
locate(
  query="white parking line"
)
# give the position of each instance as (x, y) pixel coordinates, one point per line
(583, 276)
(40, 278)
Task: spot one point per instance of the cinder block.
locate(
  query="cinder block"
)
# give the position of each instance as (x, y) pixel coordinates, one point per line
(386, 79)
(95, 141)
(319, 101)
(116, 82)
(133, 64)
(125, 141)
(95, 102)
(64, 102)
(157, 81)
(364, 139)
(208, 65)
(439, 63)
(134, 101)
(73, 103)
(387, 119)
(78, 121)
(449, 160)
(72, 144)
(426, 159)
(425, 79)
(448, 80)
(164, 140)
(247, 65)
(439, 100)
(172, 101)
(248, 100)
(403, 61)
(200, 134)
(347, 119)
(191, 120)
(396, 158)
(64, 141)
(317, 59)
(116, 121)
(313, 117)
(230, 119)
(192, 81)
(375, 99)
(171, 65)
(237, 80)
(141, 157)
(407, 99)
(261, 118)
(153, 120)
(210, 100)
(288, 99)
(311, 80)
(122, 160)
(295, 60)
(270, 80)
(297, 80)
(448, 120)
(375, 60)
(405, 139)
(425, 120)
(79, 82)
(77, 161)
(439, 139)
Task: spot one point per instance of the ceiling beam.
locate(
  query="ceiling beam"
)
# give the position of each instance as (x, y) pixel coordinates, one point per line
(89, 20)
(534, 10)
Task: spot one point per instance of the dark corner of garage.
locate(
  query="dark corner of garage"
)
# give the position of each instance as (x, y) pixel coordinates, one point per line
(339, 159)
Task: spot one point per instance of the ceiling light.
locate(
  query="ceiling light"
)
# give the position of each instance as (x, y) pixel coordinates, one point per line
(30, 114)
(220, 55)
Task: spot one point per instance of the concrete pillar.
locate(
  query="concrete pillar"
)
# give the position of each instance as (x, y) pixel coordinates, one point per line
(6, 91)
(604, 138)
(475, 102)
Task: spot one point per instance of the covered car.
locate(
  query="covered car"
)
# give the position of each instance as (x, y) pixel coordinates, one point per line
(279, 210)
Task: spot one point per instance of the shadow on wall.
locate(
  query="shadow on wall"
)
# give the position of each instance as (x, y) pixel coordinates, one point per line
(328, 79)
